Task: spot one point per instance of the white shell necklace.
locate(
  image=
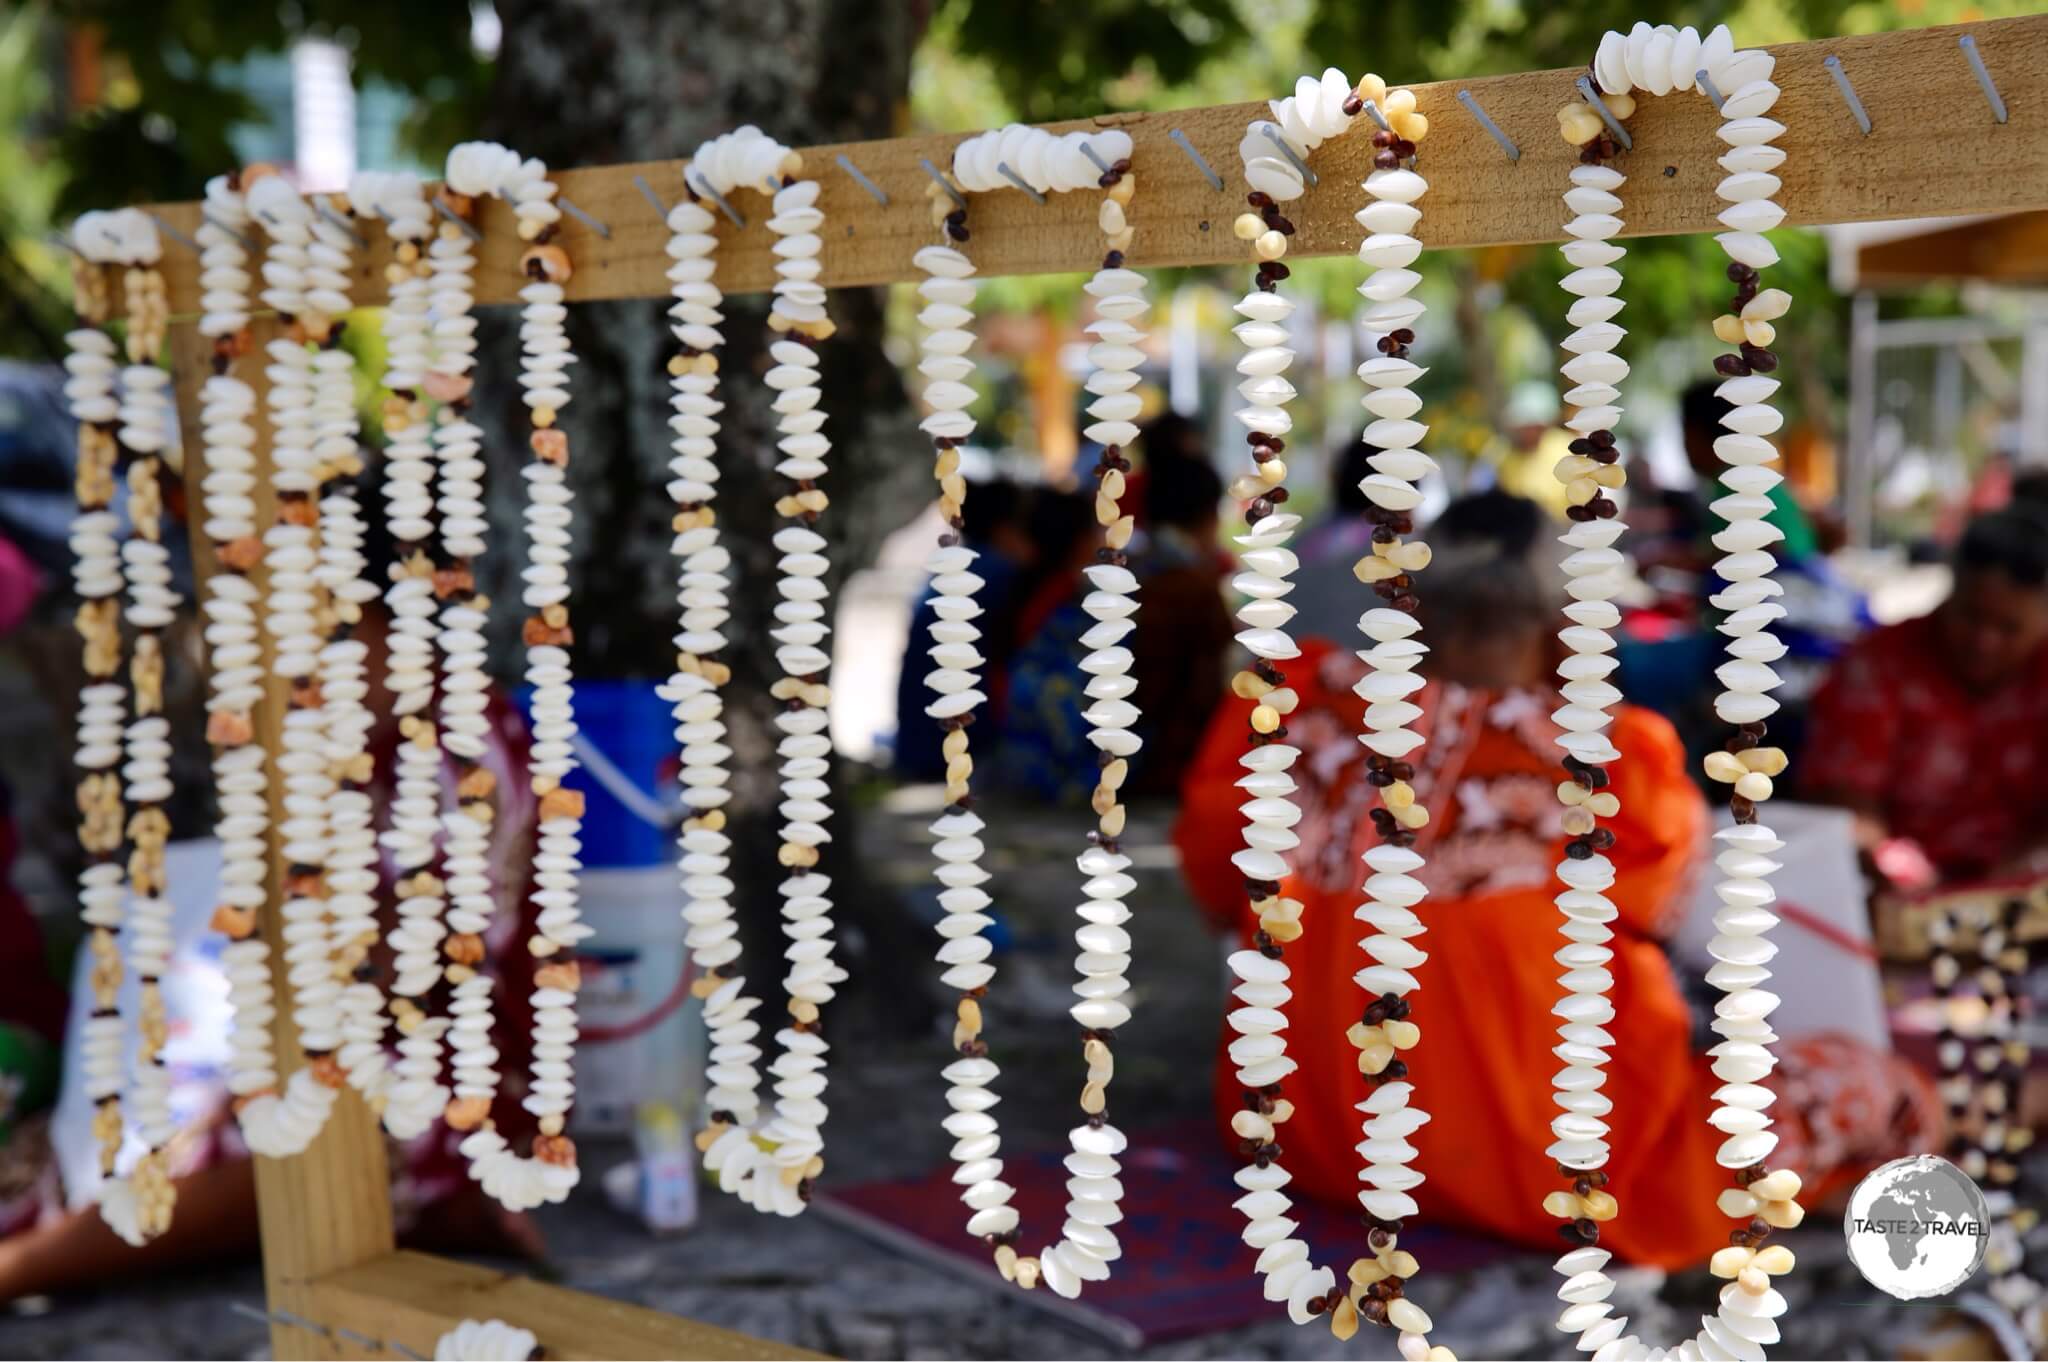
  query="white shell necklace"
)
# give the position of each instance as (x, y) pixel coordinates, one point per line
(416, 1096)
(1658, 61)
(1321, 109)
(770, 1162)
(137, 1204)
(241, 774)
(992, 161)
(549, 1172)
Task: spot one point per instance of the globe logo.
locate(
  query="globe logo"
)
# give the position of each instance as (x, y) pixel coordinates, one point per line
(1917, 1227)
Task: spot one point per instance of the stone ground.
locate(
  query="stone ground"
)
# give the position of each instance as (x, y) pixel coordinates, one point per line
(808, 1283)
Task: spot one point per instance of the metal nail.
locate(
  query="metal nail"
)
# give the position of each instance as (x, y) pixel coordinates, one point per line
(1379, 118)
(248, 243)
(1507, 143)
(475, 232)
(647, 190)
(1834, 66)
(300, 1322)
(1968, 42)
(1181, 139)
(703, 187)
(1100, 164)
(588, 221)
(846, 164)
(1003, 169)
(1585, 84)
(1708, 88)
(1272, 134)
(942, 182)
(339, 221)
(174, 234)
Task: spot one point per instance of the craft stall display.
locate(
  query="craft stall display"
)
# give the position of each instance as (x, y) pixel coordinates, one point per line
(269, 408)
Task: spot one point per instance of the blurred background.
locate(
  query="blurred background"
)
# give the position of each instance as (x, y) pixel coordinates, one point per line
(1915, 363)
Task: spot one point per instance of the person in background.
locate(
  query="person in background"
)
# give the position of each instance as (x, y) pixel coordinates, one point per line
(1184, 630)
(1535, 442)
(1701, 408)
(1042, 747)
(1934, 731)
(1325, 595)
(1168, 439)
(994, 527)
(1488, 773)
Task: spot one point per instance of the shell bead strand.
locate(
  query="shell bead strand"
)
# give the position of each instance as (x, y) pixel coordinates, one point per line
(550, 1171)
(293, 620)
(232, 610)
(148, 428)
(350, 877)
(1392, 892)
(1318, 110)
(1047, 164)
(416, 1095)
(770, 1163)
(90, 389)
(1659, 60)
(804, 746)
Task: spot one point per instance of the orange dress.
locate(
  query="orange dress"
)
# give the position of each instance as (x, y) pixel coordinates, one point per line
(1488, 774)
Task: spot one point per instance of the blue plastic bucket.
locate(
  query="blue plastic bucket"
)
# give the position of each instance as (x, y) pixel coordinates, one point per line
(630, 725)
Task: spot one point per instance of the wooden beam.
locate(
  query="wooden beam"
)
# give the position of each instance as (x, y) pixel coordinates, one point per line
(330, 1207)
(1933, 149)
(412, 1299)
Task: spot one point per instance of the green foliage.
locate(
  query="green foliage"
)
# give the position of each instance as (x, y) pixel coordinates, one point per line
(173, 104)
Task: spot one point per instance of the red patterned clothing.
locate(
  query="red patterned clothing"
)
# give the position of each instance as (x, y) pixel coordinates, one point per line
(1964, 776)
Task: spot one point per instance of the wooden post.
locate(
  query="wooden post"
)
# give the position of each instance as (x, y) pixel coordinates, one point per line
(330, 1207)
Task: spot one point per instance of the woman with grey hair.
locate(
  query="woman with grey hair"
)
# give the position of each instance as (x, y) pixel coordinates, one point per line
(1487, 774)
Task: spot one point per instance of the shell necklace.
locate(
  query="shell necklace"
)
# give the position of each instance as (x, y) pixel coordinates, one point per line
(1658, 61)
(1044, 162)
(137, 1205)
(1274, 154)
(768, 1160)
(549, 1171)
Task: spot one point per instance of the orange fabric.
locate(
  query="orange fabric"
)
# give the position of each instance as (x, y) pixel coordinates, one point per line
(1488, 774)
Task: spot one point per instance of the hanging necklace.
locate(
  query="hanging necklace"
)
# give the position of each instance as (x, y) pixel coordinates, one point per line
(233, 606)
(1658, 61)
(294, 621)
(1043, 162)
(1320, 110)
(772, 1162)
(136, 1205)
(415, 1097)
(549, 1172)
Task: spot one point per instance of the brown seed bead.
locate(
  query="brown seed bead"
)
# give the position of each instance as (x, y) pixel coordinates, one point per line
(558, 1150)
(550, 446)
(464, 948)
(561, 803)
(467, 1113)
(328, 1071)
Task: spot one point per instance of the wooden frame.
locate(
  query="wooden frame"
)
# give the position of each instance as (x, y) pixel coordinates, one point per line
(1934, 148)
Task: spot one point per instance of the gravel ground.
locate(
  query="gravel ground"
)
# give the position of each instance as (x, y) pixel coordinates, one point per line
(809, 1283)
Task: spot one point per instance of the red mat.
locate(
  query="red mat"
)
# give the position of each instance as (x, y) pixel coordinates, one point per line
(1184, 1270)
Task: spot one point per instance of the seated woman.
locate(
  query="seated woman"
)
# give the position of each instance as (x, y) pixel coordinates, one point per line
(1488, 774)
(1934, 731)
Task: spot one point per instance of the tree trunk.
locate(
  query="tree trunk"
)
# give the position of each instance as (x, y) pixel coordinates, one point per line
(583, 82)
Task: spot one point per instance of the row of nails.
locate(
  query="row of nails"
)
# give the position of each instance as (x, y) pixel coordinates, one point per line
(1967, 42)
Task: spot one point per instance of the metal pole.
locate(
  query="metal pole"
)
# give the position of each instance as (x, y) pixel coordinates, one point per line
(1859, 463)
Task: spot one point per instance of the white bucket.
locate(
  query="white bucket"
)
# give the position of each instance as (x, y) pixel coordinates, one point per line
(642, 1032)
